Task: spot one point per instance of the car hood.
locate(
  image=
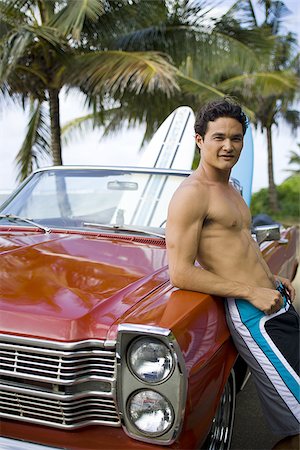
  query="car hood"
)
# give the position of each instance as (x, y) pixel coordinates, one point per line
(73, 287)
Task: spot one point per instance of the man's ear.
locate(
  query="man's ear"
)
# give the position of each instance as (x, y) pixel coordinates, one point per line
(199, 140)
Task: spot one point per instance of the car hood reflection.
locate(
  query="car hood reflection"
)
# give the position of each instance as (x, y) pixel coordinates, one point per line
(72, 287)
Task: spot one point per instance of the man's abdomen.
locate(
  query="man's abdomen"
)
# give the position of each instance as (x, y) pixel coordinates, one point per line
(235, 257)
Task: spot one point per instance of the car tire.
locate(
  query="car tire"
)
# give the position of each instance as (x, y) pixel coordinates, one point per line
(220, 434)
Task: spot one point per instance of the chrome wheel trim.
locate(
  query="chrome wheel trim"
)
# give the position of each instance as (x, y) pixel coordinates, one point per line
(220, 435)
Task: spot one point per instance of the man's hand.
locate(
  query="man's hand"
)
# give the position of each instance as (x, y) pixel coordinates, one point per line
(288, 285)
(267, 300)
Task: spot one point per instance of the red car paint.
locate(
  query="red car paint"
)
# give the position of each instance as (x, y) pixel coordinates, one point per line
(75, 285)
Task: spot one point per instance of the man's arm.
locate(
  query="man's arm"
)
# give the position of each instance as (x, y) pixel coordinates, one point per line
(187, 211)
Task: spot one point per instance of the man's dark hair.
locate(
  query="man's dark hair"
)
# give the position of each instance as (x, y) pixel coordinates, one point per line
(219, 108)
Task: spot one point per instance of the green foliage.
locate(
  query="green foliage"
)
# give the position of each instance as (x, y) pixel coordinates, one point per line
(288, 196)
(135, 61)
(279, 66)
(295, 161)
(196, 159)
(49, 45)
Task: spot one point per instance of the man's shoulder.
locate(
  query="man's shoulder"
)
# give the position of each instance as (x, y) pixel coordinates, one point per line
(190, 195)
(193, 184)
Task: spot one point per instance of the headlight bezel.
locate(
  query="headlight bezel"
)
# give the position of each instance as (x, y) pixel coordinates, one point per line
(173, 388)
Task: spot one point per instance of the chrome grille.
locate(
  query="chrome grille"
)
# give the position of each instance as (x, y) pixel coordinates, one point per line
(64, 413)
(62, 385)
(57, 366)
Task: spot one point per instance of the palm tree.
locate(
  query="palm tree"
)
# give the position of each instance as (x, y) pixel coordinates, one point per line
(268, 105)
(182, 31)
(205, 57)
(46, 45)
(112, 52)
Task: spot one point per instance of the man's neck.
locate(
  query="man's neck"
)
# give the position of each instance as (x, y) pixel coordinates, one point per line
(212, 174)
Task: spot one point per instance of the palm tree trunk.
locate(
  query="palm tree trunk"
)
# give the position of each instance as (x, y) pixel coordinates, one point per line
(273, 199)
(55, 126)
(63, 199)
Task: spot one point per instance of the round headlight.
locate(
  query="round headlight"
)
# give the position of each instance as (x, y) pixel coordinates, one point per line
(150, 360)
(150, 412)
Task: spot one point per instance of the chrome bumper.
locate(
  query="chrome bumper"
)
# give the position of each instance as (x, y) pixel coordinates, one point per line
(13, 444)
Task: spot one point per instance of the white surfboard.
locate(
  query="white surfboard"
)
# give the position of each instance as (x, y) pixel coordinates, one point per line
(172, 146)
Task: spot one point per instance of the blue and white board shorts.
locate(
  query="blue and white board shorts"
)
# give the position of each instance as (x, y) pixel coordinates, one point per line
(270, 346)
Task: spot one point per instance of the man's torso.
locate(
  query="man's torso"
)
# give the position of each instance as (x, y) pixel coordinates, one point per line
(226, 246)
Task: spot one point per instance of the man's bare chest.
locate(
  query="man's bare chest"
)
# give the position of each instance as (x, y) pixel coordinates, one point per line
(227, 210)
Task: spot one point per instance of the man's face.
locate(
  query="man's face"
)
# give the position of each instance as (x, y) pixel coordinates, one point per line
(222, 143)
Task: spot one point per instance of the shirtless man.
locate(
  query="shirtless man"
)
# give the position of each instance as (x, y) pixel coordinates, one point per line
(209, 222)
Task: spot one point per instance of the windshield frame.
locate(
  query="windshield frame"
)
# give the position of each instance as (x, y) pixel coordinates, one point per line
(93, 171)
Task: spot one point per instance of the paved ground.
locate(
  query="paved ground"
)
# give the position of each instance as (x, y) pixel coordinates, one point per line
(250, 429)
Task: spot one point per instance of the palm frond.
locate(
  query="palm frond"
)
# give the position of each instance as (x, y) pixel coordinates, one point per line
(12, 48)
(20, 47)
(198, 88)
(14, 12)
(70, 19)
(36, 143)
(114, 71)
(294, 157)
(226, 49)
(77, 127)
(274, 12)
(292, 117)
(261, 83)
(241, 11)
(166, 18)
(143, 109)
(294, 63)
(294, 160)
(232, 47)
(204, 46)
(123, 18)
(18, 18)
(206, 93)
(187, 31)
(9, 97)
(49, 34)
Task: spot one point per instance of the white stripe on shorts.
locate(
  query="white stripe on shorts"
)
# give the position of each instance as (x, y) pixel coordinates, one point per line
(263, 361)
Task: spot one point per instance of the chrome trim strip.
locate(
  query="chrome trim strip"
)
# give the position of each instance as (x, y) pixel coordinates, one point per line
(120, 168)
(56, 381)
(144, 329)
(56, 344)
(59, 351)
(87, 423)
(109, 344)
(14, 444)
(54, 396)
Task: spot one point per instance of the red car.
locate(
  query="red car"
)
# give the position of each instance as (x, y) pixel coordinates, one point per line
(98, 349)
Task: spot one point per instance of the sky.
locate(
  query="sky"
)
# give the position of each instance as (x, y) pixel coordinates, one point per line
(124, 148)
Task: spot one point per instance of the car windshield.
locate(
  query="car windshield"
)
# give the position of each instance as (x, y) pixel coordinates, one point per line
(71, 198)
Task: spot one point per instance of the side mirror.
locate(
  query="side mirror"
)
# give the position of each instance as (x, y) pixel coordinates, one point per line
(267, 233)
